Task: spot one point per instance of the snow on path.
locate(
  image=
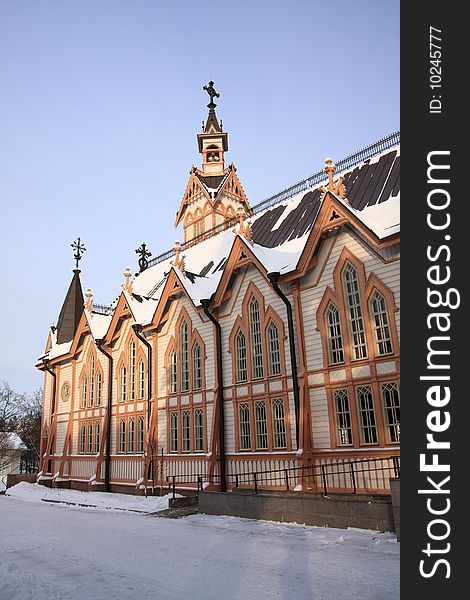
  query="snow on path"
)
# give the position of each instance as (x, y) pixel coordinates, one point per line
(50, 553)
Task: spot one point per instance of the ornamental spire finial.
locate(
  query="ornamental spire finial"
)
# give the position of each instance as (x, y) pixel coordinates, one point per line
(337, 187)
(89, 301)
(178, 262)
(128, 285)
(79, 249)
(244, 224)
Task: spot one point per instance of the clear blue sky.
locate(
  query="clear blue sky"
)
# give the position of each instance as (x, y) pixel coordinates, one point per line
(100, 105)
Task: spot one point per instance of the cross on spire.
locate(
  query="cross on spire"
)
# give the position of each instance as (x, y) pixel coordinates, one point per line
(209, 88)
(79, 249)
(144, 254)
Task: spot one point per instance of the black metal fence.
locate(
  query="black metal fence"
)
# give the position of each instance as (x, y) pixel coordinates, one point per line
(358, 476)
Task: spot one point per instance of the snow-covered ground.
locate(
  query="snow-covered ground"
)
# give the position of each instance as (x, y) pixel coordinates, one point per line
(52, 551)
(98, 500)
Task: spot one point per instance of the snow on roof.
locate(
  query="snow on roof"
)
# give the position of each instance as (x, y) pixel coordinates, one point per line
(283, 258)
(203, 264)
(12, 440)
(283, 229)
(56, 349)
(142, 309)
(98, 324)
(383, 219)
(373, 181)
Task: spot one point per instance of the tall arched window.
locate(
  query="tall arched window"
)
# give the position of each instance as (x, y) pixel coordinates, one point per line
(241, 370)
(132, 370)
(140, 433)
(391, 402)
(255, 334)
(274, 352)
(174, 432)
(335, 337)
(173, 372)
(131, 435)
(122, 435)
(197, 367)
(81, 447)
(261, 423)
(245, 428)
(343, 418)
(198, 430)
(141, 375)
(123, 384)
(91, 395)
(354, 308)
(96, 440)
(184, 339)
(84, 391)
(89, 438)
(98, 388)
(383, 340)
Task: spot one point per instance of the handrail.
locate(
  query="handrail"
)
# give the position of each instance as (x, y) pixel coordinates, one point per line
(351, 468)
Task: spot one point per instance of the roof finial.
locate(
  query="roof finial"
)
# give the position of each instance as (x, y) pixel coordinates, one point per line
(337, 188)
(89, 301)
(144, 254)
(244, 224)
(179, 258)
(127, 287)
(79, 250)
(209, 88)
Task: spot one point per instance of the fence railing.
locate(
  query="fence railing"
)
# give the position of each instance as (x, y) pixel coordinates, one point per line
(102, 309)
(358, 476)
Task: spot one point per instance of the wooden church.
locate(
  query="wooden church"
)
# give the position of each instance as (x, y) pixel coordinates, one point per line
(263, 350)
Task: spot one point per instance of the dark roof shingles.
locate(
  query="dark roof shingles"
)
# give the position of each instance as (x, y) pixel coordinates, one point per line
(366, 185)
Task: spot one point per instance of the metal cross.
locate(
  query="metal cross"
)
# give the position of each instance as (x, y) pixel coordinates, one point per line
(79, 250)
(144, 254)
(209, 88)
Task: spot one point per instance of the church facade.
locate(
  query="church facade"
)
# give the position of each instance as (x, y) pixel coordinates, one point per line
(262, 350)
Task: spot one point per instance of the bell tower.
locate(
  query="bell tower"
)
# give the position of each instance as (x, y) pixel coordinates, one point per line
(214, 192)
(212, 142)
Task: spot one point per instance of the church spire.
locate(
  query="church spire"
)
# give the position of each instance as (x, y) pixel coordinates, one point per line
(72, 308)
(212, 142)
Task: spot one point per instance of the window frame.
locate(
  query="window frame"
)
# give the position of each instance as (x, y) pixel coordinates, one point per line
(383, 316)
(387, 424)
(271, 325)
(256, 338)
(96, 437)
(198, 447)
(367, 415)
(174, 431)
(354, 311)
(140, 448)
(339, 418)
(338, 336)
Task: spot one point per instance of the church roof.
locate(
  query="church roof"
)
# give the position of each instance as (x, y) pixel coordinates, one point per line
(72, 310)
(369, 183)
(280, 233)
